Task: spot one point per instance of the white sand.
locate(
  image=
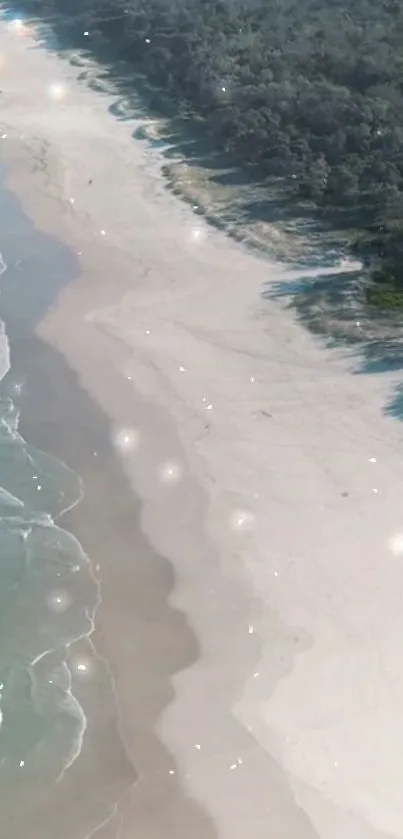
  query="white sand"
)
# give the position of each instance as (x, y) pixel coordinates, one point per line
(291, 722)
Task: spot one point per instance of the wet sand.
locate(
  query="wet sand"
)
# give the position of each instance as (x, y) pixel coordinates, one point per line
(269, 478)
(125, 776)
(147, 639)
(126, 781)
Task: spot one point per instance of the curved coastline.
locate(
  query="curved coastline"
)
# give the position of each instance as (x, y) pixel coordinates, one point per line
(28, 521)
(55, 415)
(270, 434)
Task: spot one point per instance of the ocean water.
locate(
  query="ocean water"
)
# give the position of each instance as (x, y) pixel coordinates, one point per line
(48, 593)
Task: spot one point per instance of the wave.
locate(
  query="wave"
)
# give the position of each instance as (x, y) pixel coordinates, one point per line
(49, 595)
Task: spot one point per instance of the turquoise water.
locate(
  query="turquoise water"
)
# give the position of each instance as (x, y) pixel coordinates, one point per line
(48, 594)
(47, 601)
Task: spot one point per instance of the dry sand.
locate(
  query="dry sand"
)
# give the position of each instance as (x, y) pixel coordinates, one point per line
(269, 474)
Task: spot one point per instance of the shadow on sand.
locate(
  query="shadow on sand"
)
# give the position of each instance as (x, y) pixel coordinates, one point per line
(258, 211)
(60, 418)
(333, 306)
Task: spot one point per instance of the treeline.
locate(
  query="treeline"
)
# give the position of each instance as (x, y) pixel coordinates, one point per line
(310, 90)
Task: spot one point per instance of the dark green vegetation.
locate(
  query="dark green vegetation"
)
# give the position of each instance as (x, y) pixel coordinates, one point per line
(308, 90)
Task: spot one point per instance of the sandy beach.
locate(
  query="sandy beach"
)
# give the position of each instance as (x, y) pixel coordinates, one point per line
(242, 502)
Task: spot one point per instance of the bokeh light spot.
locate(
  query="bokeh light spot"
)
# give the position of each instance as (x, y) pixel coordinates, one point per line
(170, 473)
(57, 91)
(242, 521)
(127, 439)
(59, 601)
(395, 544)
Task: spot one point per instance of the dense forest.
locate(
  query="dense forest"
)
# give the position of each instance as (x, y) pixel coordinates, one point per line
(309, 90)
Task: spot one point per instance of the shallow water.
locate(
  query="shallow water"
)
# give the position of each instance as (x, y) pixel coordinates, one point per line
(48, 593)
(47, 600)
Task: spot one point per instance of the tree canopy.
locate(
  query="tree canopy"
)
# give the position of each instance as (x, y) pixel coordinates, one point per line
(309, 90)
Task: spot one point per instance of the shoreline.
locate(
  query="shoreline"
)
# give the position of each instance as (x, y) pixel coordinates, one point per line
(116, 766)
(218, 731)
(282, 524)
(125, 767)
